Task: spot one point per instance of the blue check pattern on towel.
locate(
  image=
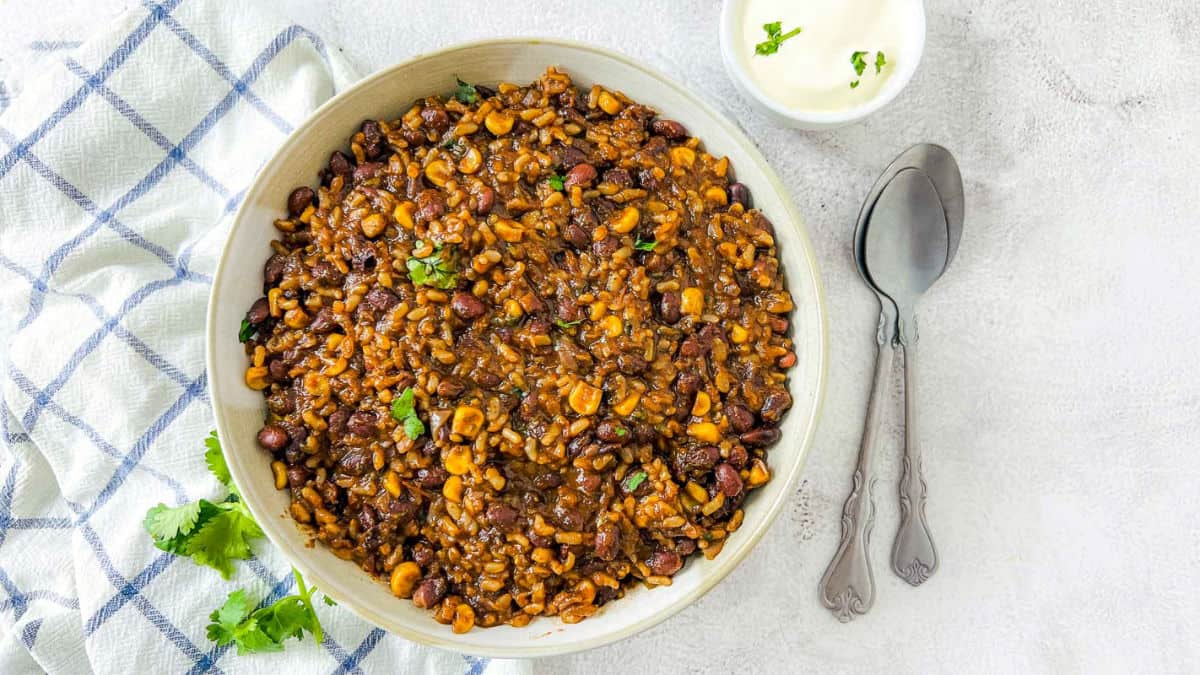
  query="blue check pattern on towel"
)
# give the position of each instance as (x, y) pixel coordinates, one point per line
(122, 160)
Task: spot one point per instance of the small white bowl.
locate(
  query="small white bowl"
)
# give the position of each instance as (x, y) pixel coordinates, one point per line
(238, 282)
(732, 17)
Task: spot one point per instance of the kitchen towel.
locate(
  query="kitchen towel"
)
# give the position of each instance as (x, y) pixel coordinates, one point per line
(122, 160)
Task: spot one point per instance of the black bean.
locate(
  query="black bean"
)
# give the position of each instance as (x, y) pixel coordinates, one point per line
(546, 481)
(422, 553)
(414, 137)
(374, 144)
(669, 307)
(687, 382)
(502, 516)
(685, 546)
(485, 201)
(608, 541)
(669, 129)
(740, 417)
(299, 200)
(604, 248)
(467, 306)
(692, 347)
(576, 236)
(363, 423)
(381, 299)
(631, 364)
(278, 370)
(728, 480)
(619, 177)
(356, 461)
(430, 206)
(326, 272)
(664, 563)
(571, 157)
(366, 171)
(272, 437)
(324, 322)
(740, 194)
(337, 422)
(738, 457)
(760, 437)
(581, 175)
(613, 431)
(696, 459)
(273, 270)
(776, 403)
(341, 165)
(367, 517)
(297, 476)
(450, 388)
(432, 477)
(436, 119)
(258, 312)
(568, 517)
(429, 592)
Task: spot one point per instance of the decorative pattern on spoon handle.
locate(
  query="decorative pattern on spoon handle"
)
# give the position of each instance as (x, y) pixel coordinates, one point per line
(914, 557)
(848, 586)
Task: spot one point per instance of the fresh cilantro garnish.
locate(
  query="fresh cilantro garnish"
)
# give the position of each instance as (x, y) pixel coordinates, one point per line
(432, 270)
(465, 92)
(856, 59)
(567, 324)
(621, 431)
(404, 411)
(518, 392)
(210, 533)
(775, 38)
(854, 84)
(247, 331)
(644, 245)
(633, 480)
(880, 62)
(265, 629)
(450, 142)
(556, 182)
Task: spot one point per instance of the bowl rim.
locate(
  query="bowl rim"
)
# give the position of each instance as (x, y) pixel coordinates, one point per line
(724, 564)
(813, 119)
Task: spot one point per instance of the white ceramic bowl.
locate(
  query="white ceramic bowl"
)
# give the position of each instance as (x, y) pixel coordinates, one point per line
(736, 66)
(388, 93)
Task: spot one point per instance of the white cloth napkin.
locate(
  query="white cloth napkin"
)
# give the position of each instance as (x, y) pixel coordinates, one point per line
(122, 159)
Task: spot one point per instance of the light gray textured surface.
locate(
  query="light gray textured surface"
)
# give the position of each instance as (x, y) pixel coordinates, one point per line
(1060, 385)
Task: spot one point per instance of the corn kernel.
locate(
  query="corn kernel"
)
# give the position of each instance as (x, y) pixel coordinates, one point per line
(704, 431)
(584, 398)
(692, 302)
(374, 225)
(702, 404)
(683, 156)
(609, 103)
(464, 618)
(498, 122)
(470, 162)
(404, 579)
(273, 297)
(759, 474)
(716, 195)
(495, 478)
(696, 492)
(513, 308)
(468, 420)
(256, 377)
(403, 214)
(458, 460)
(452, 489)
(612, 326)
(391, 483)
(439, 173)
(738, 335)
(627, 220)
(280, 471)
(713, 504)
(626, 407)
(295, 318)
(508, 230)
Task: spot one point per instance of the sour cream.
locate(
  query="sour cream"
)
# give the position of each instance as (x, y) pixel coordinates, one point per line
(813, 70)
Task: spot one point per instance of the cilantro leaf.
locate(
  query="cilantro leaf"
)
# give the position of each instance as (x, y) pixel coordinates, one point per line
(266, 628)
(215, 459)
(556, 182)
(854, 84)
(633, 480)
(775, 38)
(223, 538)
(404, 411)
(856, 60)
(567, 324)
(167, 524)
(644, 245)
(329, 601)
(432, 270)
(247, 331)
(465, 92)
(622, 431)
(228, 617)
(880, 62)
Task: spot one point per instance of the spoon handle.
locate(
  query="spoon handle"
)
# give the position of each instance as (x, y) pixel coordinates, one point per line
(848, 587)
(914, 557)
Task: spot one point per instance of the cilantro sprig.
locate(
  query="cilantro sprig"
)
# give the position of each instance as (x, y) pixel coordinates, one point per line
(432, 270)
(775, 38)
(634, 480)
(859, 61)
(465, 92)
(404, 411)
(567, 324)
(556, 182)
(641, 245)
(213, 534)
(265, 629)
(247, 331)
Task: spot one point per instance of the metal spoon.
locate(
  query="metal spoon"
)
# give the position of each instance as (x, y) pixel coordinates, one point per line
(910, 241)
(848, 586)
